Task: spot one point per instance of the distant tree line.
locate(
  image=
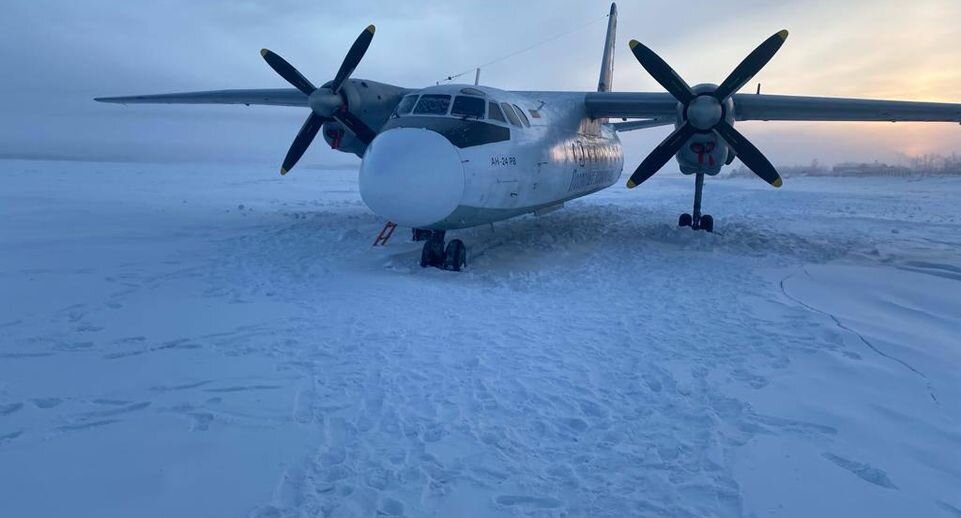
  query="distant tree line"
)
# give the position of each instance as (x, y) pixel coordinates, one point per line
(924, 165)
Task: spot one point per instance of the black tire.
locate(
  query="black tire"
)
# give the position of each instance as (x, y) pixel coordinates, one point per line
(426, 257)
(432, 254)
(707, 223)
(455, 257)
(685, 220)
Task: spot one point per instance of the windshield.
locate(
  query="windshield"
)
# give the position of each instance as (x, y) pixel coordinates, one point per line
(466, 106)
(520, 113)
(495, 113)
(432, 105)
(406, 105)
(509, 112)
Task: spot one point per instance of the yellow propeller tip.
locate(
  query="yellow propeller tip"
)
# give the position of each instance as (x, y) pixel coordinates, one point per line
(778, 183)
(371, 28)
(263, 52)
(634, 43)
(783, 34)
(631, 184)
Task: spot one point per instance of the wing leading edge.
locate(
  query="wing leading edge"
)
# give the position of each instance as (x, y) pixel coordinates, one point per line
(265, 97)
(763, 107)
(792, 108)
(658, 106)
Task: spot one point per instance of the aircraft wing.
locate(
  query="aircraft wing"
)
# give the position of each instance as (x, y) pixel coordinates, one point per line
(630, 105)
(790, 108)
(765, 107)
(641, 124)
(267, 97)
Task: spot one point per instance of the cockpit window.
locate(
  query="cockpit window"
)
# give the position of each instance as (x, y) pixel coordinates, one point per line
(432, 105)
(520, 113)
(406, 105)
(468, 107)
(509, 112)
(495, 113)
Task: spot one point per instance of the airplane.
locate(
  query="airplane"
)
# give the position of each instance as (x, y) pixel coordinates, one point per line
(454, 156)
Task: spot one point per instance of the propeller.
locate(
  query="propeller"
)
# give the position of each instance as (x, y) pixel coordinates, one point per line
(327, 102)
(705, 112)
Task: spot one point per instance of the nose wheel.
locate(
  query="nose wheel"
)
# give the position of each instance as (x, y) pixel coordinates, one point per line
(697, 221)
(452, 257)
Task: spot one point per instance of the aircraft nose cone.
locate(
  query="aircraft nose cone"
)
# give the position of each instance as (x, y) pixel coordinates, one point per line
(412, 176)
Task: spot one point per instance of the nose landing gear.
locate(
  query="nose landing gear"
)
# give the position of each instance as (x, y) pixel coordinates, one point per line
(453, 257)
(697, 221)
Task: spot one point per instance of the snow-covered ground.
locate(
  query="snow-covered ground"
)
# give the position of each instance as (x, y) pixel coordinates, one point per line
(219, 341)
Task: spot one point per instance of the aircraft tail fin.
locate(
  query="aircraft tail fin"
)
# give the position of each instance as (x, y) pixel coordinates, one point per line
(607, 63)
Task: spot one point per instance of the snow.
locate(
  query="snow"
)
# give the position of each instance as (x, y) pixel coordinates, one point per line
(220, 341)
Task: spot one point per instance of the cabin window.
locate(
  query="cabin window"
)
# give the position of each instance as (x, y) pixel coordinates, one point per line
(494, 113)
(406, 105)
(511, 116)
(468, 107)
(431, 104)
(520, 113)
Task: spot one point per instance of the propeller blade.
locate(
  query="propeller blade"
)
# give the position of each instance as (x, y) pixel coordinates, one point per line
(662, 72)
(288, 72)
(356, 126)
(353, 57)
(661, 154)
(304, 138)
(750, 155)
(751, 65)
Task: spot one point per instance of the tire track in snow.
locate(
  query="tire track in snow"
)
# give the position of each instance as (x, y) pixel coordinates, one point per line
(865, 341)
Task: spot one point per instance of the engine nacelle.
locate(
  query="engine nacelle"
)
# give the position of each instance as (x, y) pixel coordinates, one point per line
(372, 102)
(705, 152)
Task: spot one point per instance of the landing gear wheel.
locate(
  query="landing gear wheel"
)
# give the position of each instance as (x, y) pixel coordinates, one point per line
(707, 223)
(432, 254)
(455, 258)
(685, 220)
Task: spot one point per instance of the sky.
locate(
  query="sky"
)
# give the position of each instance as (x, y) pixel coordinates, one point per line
(59, 54)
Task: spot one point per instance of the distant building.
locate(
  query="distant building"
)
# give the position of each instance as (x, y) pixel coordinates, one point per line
(874, 169)
(925, 165)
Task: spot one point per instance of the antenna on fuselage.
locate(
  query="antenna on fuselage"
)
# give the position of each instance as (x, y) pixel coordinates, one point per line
(477, 77)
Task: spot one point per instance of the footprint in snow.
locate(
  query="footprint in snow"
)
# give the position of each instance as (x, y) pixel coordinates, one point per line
(84, 426)
(49, 402)
(391, 507)
(863, 471)
(537, 502)
(10, 408)
(10, 436)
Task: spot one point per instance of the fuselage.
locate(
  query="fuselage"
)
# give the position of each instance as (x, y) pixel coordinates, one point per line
(457, 156)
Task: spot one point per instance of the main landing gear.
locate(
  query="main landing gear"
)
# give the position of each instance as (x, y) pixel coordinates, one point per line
(453, 257)
(697, 221)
